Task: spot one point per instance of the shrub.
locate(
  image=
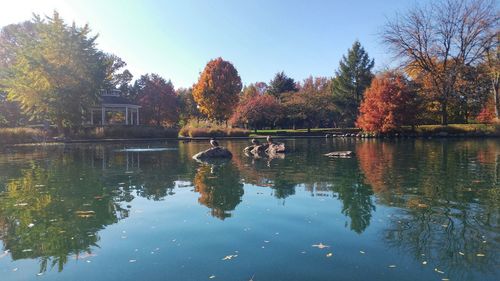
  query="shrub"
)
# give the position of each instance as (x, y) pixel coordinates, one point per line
(209, 129)
(21, 135)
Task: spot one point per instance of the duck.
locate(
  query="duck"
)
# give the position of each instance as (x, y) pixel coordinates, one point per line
(269, 139)
(214, 143)
(255, 142)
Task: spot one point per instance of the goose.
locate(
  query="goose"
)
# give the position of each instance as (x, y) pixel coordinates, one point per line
(214, 143)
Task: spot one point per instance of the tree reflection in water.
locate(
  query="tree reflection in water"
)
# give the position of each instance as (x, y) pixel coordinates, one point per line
(447, 206)
(220, 188)
(443, 196)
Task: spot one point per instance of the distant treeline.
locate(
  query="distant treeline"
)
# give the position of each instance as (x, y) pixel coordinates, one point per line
(447, 56)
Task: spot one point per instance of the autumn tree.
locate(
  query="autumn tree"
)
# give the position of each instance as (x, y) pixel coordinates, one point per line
(158, 100)
(440, 39)
(281, 84)
(54, 71)
(216, 91)
(117, 76)
(257, 111)
(388, 104)
(187, 105)
(311, 105)
(492, 65)
(487, 113)
(351, 80)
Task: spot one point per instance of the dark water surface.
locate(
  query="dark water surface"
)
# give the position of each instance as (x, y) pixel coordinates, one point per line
(397, 210)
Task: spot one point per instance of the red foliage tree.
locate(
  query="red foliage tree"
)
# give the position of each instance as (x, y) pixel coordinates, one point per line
(487, 114)
(257, 111)
(388, 104)
(158, 99)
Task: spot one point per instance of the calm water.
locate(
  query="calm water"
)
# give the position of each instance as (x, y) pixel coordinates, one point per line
(397, 210)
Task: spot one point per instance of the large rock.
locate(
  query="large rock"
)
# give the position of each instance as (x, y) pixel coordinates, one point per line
(214, 152)
(340, 154)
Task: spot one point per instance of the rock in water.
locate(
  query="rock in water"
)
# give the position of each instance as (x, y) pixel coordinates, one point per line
(340, 154)
(214, 152)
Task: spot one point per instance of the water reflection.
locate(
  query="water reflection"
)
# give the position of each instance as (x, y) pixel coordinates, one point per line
(443, 196)
(219, 187)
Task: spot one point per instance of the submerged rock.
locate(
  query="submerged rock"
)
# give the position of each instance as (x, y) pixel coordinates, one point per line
(346, 153)
(213, 152)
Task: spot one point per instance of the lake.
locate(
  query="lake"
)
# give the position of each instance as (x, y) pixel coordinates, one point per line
(396, 210)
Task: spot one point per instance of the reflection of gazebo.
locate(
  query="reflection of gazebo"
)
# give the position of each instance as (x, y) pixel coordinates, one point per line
(111, 102)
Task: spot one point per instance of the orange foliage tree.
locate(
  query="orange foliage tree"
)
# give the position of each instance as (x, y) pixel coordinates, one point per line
(257, 111)
(216, 92)
(388, 104)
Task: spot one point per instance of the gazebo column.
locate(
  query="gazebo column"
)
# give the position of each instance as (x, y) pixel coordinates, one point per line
(103, 115)
(137, 116)
(126, 115)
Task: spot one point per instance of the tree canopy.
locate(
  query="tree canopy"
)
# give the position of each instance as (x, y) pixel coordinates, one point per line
(54, 71)
(441, 39)
(281, 84)
(216, 92)
(158, 99)
(388, 104)
(351, 80)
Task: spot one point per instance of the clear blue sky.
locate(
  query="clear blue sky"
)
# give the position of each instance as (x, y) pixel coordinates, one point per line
(260, 37)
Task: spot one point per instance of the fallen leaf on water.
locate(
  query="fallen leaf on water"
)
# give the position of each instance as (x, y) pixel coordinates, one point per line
(39, 274)
(132, 260)
(20, 204)
(320, 246)
(229, 257)
(392, 266)
(480, 255)
(27, 250)
(212, 276)
(362, 252)
(15, 269)
(424, 262)
(329, 255)
(31, 225)
(461, 253)
(438, 271)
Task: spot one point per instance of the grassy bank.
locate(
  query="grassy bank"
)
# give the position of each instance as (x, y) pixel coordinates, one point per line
(304, 132)
(32, 135)
(125, 132)
(452, 130)
(21, 135)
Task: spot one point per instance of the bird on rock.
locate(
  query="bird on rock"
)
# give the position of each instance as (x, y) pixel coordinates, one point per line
(214, 143)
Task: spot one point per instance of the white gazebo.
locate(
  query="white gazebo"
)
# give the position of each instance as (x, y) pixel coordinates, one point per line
(111, 101)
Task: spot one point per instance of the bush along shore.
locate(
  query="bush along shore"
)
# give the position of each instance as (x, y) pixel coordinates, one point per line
(430, 131)
(9, 136)
(35, 135)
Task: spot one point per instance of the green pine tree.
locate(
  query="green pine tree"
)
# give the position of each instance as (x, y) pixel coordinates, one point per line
(351, 80)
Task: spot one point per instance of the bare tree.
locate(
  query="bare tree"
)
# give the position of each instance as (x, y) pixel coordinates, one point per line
(440, 39)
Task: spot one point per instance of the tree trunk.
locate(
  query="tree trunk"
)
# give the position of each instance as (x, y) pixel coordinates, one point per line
(496, 100)
(444, 112)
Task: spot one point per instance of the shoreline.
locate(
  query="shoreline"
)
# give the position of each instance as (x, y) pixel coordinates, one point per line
(197, 139)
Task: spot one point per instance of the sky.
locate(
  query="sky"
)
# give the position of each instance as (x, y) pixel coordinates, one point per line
(260, 37)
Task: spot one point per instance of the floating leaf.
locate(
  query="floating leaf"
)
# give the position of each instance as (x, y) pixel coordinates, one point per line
(392, 266)
(329, 255)
(320, 246)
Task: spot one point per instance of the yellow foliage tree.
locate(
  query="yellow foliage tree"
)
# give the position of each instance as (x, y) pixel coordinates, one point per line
(216, 92)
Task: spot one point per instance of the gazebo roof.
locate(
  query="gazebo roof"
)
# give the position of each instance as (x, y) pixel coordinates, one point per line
(106, 100)
(112, 98)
